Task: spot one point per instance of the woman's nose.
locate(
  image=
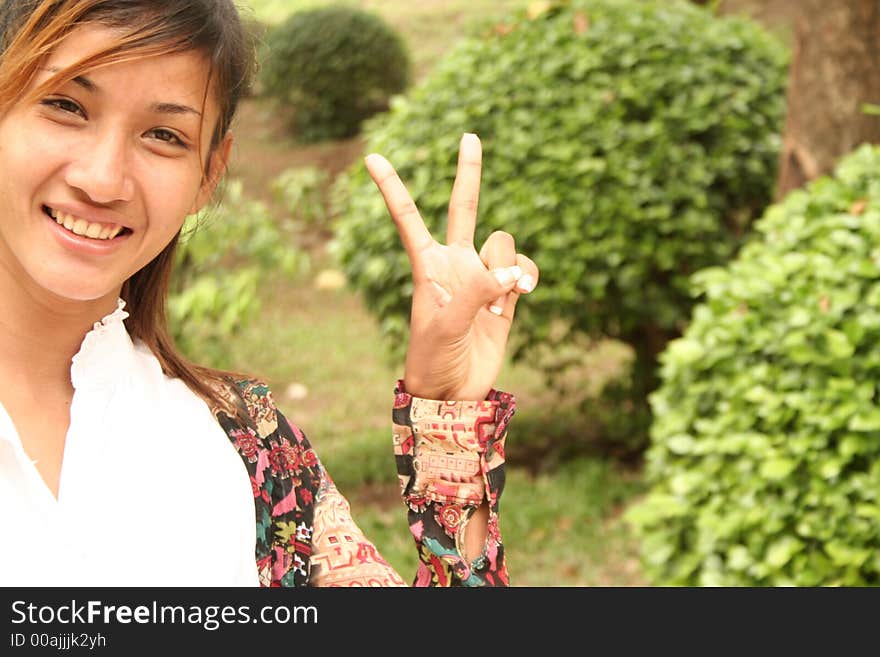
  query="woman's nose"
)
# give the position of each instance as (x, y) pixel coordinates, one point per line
(101, 169)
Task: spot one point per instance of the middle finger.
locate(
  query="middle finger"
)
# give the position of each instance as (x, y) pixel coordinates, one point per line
(465, 191)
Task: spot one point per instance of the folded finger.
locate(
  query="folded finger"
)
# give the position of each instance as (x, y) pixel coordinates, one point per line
(499, 256)
(529, 280)
(525, 273)
(506, 277)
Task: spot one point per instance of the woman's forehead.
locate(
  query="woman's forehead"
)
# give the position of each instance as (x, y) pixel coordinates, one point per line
(180, 78)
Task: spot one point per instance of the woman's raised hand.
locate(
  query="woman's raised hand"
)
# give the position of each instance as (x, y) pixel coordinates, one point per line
(463, 301)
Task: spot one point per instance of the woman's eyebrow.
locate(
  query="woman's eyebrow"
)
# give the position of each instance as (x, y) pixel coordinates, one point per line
(81, 80)
(157, 108)
(173, 108)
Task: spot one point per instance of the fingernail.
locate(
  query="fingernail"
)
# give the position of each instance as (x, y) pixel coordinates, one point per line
(515, 272)
(526, 283)
(496, 310)
(503, 276)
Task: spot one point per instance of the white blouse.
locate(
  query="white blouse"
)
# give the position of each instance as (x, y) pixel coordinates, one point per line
(152, 492)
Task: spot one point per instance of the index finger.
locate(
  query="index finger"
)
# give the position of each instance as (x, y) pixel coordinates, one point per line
(465, 191)
(413, 232)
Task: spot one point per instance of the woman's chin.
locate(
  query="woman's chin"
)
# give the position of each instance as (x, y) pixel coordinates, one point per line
(69, 290)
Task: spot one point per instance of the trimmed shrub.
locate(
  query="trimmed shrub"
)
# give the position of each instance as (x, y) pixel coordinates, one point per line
(331, 68)
(628, 143)
(765, 463)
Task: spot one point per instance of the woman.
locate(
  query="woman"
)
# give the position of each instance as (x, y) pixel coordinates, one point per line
(121, 462)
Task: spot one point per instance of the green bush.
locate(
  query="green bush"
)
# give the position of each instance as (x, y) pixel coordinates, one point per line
(765, 463)
(628, 143)
(226, 254)
(333, 67)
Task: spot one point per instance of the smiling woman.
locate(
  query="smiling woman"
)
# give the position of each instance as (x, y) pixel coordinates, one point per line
(114, 126)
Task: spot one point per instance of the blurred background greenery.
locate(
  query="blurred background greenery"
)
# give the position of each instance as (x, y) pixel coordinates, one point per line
(649, 131)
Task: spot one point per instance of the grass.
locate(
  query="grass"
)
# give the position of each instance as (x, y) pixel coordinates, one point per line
(559, 530)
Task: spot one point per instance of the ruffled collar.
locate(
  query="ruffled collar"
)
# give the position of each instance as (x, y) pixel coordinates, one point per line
(104, 352)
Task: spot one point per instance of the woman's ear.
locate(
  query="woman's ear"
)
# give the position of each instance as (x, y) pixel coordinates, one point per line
(216, 169)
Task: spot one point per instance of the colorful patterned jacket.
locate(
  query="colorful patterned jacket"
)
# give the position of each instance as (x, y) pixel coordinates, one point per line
(450, 460)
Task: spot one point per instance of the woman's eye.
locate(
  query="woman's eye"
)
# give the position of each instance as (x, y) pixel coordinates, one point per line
(167, 137)
(63, 105)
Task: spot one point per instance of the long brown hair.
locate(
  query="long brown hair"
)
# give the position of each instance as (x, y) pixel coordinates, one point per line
(31, 29)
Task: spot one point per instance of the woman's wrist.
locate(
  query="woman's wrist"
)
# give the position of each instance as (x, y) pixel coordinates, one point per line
(425, 390)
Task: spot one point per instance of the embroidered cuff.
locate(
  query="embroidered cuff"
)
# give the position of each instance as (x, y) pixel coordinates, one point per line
(450, 451)
(450, 458)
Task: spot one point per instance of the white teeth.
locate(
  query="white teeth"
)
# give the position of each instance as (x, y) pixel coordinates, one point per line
(80, 226)
(84, 228)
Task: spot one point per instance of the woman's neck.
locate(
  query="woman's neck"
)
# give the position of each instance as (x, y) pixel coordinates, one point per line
(41, 332)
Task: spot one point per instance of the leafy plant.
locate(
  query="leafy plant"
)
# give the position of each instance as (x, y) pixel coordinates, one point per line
(332, 67)
(765, 463)
(622, 156)
(226, 254)
(301, 191)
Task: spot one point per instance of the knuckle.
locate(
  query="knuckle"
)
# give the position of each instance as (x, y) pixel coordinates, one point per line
(527, 262)
(407, 209)
(467, 204)
(385, 180)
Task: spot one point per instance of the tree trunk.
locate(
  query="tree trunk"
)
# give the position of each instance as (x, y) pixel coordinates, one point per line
(835, 72)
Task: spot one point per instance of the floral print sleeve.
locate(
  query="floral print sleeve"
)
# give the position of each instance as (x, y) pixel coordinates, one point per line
(450, 460)
(305, 533)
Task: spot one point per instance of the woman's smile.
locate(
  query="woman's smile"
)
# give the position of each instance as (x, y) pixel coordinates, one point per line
(85, 237)
(83, 227)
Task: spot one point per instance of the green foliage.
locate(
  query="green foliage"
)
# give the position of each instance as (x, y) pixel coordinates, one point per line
(765, 465)
(333, 67)
(301, 191)
(226, 254)
(622, 156)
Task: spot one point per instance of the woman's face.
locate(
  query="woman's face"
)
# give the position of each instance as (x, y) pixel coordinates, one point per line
(97, 176)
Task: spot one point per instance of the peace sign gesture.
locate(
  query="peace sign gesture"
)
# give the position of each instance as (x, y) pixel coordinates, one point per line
(463, 301)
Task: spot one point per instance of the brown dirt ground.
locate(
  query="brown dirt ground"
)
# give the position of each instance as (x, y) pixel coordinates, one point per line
(263, 149)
